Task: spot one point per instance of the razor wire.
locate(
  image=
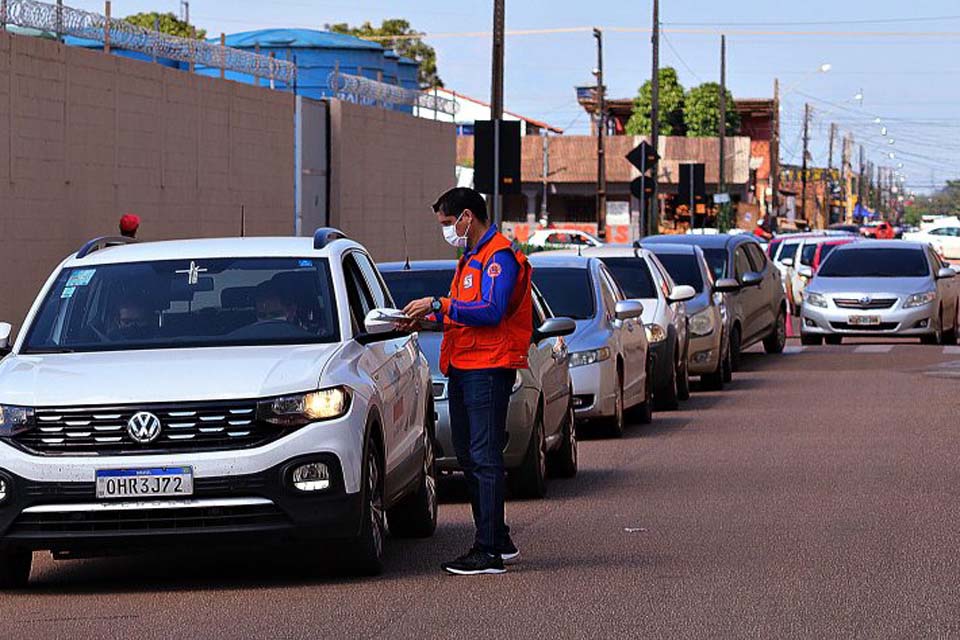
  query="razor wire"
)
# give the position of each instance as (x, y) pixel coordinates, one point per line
(367, 90)
(121, 34)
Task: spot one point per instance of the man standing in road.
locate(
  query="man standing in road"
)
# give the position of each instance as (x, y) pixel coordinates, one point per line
(488, 322)
(129, 225)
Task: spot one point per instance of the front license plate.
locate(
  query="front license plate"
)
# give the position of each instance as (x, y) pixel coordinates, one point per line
(864, 320)
(144, 483)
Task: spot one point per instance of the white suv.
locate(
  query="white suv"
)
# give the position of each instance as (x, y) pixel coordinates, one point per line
(215, 390)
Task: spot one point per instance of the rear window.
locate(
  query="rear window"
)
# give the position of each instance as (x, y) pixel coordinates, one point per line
(409, 285)
(567, 291)
(633, 276)
(876, 263)
(684, 269)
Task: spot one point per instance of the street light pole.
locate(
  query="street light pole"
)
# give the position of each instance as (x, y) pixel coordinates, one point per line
(496, 104)
(803, 170)
(653, 225)
(601, 133)
(721, 182)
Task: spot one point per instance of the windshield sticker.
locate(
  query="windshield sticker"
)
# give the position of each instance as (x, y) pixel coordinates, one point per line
(193, 273)
(306, 263)
(80, 278)
(67, 292)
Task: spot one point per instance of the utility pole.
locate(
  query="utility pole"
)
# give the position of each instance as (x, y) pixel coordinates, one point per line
(845, 175)
(828, 177)
(803, 170)
(601, 134)
(860, 180)
(185, 10)
(775, 156)
(546, 173)
(496, 103)
(653, 225)
(721, 182)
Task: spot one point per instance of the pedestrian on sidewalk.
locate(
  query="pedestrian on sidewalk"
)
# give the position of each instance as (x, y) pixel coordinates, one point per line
(129, 225)
(488, 322)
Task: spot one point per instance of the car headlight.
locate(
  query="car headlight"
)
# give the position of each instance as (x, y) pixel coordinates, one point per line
(581, 358)
(701, 324)
(655, 333)
(14, 420)
(815, 299)
(920, 299)
(298, 410)
(517, 383)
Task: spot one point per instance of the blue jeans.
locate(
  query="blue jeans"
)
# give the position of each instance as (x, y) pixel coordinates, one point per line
(478, 400)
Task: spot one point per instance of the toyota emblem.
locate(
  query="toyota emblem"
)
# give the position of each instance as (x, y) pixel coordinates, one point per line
(865, 300)
(143, 427)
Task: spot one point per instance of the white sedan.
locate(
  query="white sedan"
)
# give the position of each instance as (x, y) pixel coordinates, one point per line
(563, 239)
(945, 240)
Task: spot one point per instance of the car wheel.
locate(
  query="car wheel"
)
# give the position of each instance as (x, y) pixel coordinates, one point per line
(616, 423)
(667, 393)
(833, 339)
(643, 412)
(735, 349)
(727, 365)
(810, 340)
(366, 550)
(777, 340)
(416, 515)
(530, 480)
(714, 380)
(683, 378)
(937, 336)
(15, 568)
(564, 461)
(950, 337)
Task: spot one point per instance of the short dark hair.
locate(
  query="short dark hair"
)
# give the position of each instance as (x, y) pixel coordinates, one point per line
(454, 201)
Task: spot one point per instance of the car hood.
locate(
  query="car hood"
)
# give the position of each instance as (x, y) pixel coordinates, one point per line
(899, 286)
(170, 375)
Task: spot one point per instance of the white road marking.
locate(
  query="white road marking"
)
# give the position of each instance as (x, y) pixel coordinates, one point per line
(951, 351)
(874, 348)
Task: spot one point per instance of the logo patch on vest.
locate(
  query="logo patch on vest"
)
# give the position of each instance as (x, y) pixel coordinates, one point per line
(468, 281)
(493, 270)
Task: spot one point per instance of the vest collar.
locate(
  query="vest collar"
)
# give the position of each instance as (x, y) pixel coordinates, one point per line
(484, 239)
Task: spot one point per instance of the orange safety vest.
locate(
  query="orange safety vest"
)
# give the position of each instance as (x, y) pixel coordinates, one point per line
(504, 346)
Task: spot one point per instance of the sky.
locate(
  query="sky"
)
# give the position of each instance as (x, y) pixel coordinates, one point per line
(904, 58)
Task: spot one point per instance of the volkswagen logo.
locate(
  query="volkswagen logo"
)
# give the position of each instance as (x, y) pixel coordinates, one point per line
(143, 427)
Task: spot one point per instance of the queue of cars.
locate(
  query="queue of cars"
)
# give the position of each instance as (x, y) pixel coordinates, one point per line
(257, 389)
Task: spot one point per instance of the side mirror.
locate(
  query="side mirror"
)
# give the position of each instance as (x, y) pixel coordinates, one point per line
(380, 321)
(806, 272)
(6, 330)
(726, 285)
(945, 272)
(751, 279)
(628, 309)
(682, 293)
(787, 262)
(554, 328)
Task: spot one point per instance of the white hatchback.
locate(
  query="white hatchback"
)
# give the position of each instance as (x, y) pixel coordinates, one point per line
(211, 390)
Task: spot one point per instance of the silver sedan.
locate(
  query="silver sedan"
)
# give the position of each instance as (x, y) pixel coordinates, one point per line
(882, 287)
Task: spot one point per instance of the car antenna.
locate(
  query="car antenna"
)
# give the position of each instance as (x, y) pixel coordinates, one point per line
(579, 250)
(406, 253)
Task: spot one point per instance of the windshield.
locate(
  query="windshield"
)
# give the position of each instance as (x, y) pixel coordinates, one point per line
(789, 250)
(806, 256)
(634, 277)
(717, 259)
(187, 303)
(876, 263)
(684, 269)
(413, 284)
(567, 291)
(826, 250)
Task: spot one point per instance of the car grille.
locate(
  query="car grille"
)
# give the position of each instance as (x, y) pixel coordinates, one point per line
(875, 303)
(207, 426)
(846, 326)
(148, 520)
(202, 488)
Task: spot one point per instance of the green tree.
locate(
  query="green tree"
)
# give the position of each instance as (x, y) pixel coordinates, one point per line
(944, 201)
(414, 48)
(169, 23)
(671, 107)
(701, 111)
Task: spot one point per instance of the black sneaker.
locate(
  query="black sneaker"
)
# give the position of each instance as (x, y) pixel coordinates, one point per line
(475, 562)
(509, 553)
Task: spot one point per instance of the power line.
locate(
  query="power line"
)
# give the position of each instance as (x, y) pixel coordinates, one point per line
(814, 23)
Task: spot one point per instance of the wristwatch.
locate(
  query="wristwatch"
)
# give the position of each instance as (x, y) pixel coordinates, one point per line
(436, 305)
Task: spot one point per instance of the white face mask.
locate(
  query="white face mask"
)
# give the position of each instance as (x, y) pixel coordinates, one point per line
(450, 235)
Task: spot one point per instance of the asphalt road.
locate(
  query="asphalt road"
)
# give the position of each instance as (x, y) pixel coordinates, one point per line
(815, 497)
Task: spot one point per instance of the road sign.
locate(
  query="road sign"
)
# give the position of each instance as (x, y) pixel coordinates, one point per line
(642, 187)
(643, 156)
(721, 198)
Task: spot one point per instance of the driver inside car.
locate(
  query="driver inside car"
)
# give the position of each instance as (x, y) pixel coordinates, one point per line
(132, 321)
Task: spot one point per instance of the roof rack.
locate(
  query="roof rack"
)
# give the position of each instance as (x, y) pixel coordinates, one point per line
(325, 235)
(102, 243)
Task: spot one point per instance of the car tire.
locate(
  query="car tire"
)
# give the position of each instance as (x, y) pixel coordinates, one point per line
(683, 378)
(810, 340)
(735, 348)
(416, 515)
(563, 462)
(714, 380)
(950, 337)
(666, 396)
(777, 339)
(937, 336)
(365, 552)
(727, 365)
(530, 479)
(617, 422)
(643, 412)
(15, 568)
(833, 339)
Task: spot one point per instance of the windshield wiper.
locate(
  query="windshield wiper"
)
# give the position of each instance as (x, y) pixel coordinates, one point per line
(31, 352)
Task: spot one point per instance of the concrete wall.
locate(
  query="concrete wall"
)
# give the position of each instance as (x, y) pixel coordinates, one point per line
(386, 169)
(85, 137)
